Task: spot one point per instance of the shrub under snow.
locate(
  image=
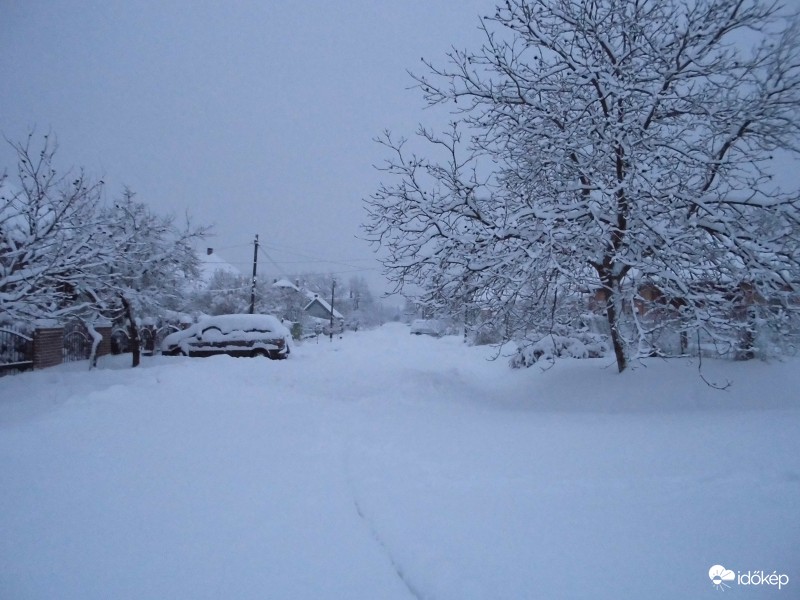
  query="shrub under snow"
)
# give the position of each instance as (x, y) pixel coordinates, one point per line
(551, 345)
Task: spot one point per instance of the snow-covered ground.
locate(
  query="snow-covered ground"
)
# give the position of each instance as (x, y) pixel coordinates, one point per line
(385, 465)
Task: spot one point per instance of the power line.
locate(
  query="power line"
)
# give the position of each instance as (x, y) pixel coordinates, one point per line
(351, 271)
(233, 289)
(300, 262)
(309, 259)
(314, 258)
(269, 258)
(289, 250)
(231, 247)
(320, 260)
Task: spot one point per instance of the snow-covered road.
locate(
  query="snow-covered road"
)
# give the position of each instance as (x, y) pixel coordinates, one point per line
(385, 465)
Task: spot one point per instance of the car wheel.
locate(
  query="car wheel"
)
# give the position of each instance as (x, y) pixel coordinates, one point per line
(260, 352)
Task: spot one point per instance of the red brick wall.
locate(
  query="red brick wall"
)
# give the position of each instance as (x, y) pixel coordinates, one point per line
(105, 345)
(48, 347)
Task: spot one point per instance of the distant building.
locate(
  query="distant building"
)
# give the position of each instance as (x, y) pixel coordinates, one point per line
(210, 263)
(285, 284)
(320, 308)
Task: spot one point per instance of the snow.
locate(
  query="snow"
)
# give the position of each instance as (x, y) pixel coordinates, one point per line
(285, 283)
(243, 322)
(209, 264)
(242, 326)
(386, 465)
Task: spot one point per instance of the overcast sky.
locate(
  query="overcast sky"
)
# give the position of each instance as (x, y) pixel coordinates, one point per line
(253, 116)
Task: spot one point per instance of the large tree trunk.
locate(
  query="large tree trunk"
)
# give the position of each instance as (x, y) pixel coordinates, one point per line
(616, 339)
(611, 291)
(133, 331)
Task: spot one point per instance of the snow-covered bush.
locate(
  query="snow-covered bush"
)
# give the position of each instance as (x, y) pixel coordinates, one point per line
(550, 346)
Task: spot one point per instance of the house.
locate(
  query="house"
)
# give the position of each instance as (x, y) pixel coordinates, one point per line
(209, 263)
(298, 304)
(314, 305)
(732, 310)
(285, 284)
(287, 300)
(320, 308)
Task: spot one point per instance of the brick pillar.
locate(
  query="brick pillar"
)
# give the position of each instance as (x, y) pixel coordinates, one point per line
(105, 345)
(48, 347)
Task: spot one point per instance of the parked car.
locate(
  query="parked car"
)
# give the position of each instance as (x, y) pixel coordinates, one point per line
(235, 335)
(428, 327)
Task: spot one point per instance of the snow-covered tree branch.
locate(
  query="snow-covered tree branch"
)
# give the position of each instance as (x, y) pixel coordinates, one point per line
(49, 234)
(603, 148)
(152, 263)
(63, 252)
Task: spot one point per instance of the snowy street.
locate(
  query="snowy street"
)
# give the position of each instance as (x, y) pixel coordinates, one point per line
(385, 465)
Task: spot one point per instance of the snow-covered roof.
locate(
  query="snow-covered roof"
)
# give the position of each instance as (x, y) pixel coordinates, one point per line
(324, 303)
(211, 263)
(285, 283)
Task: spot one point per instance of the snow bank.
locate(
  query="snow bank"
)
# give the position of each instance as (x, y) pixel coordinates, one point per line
(386, 465)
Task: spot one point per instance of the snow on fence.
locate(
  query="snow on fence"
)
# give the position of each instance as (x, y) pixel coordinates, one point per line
(44, 347)
(16, 350)
(150, 338)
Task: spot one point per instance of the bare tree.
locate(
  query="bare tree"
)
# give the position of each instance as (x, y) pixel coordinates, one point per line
(603, 147)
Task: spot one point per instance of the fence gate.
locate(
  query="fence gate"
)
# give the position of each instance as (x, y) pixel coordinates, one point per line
(147, 340)
(77, 342)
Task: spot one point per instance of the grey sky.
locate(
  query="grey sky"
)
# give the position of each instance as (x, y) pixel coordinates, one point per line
(257, 117)
(253, 116)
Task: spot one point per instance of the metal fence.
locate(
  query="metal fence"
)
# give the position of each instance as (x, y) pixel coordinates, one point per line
(150, 338)
(16, 350)
(77, 342)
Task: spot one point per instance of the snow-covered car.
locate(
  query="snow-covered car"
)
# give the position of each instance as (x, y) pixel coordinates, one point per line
(427, 327)
(235, 335)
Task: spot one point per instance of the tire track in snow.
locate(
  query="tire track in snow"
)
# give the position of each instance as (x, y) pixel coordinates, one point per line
(398, 569)
(412, 588)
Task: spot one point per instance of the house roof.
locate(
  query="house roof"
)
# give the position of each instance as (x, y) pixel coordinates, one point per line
(211, 263)
(325, 304)
(285, 283)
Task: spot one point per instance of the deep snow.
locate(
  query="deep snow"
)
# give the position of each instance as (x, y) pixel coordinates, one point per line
(386, 465)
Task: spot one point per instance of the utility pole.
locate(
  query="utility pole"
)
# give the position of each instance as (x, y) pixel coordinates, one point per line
(253, 285)
(333, 294)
